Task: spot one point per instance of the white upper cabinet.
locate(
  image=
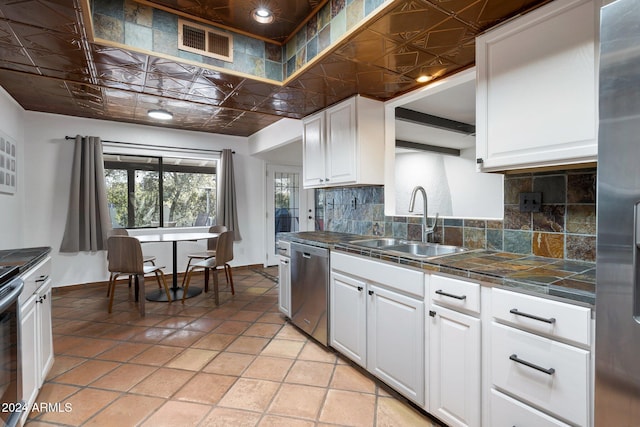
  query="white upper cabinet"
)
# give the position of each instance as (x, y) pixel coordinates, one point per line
(537, 93)
(344, 144)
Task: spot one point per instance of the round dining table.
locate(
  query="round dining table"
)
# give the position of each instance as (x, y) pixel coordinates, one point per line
(175, 290)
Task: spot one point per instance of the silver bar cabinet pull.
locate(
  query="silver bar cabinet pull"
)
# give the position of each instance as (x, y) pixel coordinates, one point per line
(515, 358)
(532, 316)
(445, 294)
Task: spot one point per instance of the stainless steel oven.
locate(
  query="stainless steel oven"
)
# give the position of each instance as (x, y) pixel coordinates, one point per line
(10, 407)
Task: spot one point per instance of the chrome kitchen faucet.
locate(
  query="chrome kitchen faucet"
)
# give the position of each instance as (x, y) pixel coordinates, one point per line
(426, 231)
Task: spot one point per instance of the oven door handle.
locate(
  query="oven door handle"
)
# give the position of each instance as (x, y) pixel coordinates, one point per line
(12, 296)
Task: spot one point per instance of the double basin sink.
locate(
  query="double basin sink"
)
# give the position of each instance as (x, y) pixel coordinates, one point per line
(407, 247)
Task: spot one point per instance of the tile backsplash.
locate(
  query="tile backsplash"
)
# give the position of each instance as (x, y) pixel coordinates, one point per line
(564, 228)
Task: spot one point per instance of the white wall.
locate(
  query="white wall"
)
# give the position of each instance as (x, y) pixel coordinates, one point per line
(454, 188)
(48, 161)
(12, 205)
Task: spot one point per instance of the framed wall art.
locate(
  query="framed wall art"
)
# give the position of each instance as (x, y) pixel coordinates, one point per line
(8, 164)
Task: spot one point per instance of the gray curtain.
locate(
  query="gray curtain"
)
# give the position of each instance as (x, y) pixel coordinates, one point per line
(88, 218)
(227, 205)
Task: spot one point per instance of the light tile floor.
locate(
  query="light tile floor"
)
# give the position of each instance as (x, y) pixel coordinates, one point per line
(239, 364)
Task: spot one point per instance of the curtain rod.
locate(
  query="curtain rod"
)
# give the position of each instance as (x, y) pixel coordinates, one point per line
(133, 144)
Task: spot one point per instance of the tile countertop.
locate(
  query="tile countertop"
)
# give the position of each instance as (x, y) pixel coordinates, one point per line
(571, 280)
(24, 258)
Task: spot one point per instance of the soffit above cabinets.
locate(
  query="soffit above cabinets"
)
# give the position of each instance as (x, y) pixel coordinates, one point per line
(49, 64)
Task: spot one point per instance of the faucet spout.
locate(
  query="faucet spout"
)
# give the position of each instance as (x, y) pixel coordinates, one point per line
(426, 230)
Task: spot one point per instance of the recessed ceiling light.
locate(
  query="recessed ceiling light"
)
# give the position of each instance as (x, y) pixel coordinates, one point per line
(262, 15)
(160, 114)
(423, 78)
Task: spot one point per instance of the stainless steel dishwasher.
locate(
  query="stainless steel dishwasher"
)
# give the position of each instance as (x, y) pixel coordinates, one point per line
(310, 290)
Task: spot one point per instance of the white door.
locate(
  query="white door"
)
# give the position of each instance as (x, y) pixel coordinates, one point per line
(289, 207)
(395, 344)
(454, 377)
(348, 317)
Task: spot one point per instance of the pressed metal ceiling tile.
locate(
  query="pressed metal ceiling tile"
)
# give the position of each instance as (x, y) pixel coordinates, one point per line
(409, 18)
(45, 66)
(288, 14)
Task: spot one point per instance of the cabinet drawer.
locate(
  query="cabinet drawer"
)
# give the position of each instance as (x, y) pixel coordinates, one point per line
(553, 318)
(34, 278)
(455, 293)
(518, 359)
(508, 412)
(398, 278)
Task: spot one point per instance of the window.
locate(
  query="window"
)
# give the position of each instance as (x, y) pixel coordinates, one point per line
(138, 186)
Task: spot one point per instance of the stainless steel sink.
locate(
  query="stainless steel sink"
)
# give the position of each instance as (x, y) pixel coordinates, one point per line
(426, 250)
(406, 247)
(378, 243)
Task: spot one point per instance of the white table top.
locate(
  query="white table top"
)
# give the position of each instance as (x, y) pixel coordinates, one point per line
(175, 237)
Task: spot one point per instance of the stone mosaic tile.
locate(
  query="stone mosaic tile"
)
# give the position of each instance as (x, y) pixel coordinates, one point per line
(494, 239)
(248, 45)
(453, 222)
(495, 224)
(399, 230)
(273, 70)
(291, 49)
(581, 219)
(581, 187)
(301, 40)
(581, 247)
(551, 218)
(453, 236)
(338, 26)
(165, 43)
(138, 14)
(113, 8)
(355, 13)
(190, 56)
(138, 36)
(475, 223)
(108, 28)
(475, 238)
(517, 241)
(414, 232)
(553, 188)
(548, 244)
(324, 38)
(312, 27)
(165, 22)
(371, 5)
(324, 16)
(514, 186)
(516, 220)
(291, 66)
(273, 52)
(336, 7)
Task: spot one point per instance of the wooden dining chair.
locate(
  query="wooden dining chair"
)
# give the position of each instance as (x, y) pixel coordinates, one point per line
(224, 254)
(125, 258)
(151, 259)
(209, 253)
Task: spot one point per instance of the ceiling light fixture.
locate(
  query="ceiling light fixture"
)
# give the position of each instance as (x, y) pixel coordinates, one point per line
(160, 114)
(423, 78)
(262, 15)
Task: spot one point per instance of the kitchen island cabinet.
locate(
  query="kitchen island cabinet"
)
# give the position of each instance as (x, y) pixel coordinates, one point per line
(344, 145)
(536, 102)
(377, 320)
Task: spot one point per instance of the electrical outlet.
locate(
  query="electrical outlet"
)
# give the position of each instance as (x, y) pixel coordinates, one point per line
(530, 202)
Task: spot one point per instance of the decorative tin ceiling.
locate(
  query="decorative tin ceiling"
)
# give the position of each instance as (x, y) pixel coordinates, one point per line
(48, 64)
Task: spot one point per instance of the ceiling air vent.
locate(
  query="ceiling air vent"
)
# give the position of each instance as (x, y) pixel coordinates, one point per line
(205, 41)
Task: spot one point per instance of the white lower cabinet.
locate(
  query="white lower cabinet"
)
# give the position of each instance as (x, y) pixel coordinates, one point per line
(454, 347)
(508, 412)
(377, 322)
(539, 375)
(284, 286)
(36, 338)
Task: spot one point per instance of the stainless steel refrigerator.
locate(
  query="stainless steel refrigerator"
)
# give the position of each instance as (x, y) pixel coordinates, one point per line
(617, 380)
